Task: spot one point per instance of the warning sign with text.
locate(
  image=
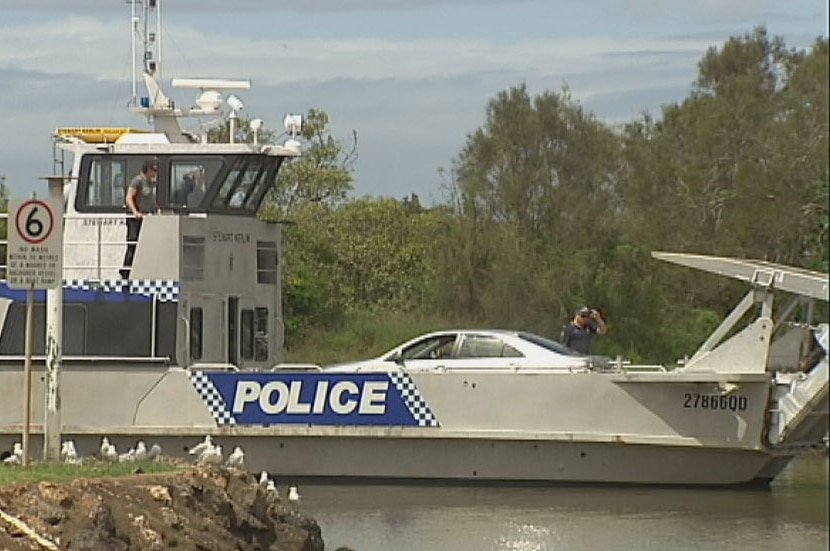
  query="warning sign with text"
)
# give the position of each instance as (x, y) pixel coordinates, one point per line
(35, 236)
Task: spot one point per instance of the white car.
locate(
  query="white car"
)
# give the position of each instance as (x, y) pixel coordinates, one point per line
(476, 349)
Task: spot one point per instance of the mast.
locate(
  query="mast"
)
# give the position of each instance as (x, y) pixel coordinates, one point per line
(141, 29)
(133, 32)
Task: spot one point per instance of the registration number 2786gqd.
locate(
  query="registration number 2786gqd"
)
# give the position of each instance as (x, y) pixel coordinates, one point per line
(733, 402)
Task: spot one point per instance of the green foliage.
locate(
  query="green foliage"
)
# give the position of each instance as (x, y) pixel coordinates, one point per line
(732, 170)
(371, 253)
(4, 194)
(364, 335)
(548, 209)
(305, 307)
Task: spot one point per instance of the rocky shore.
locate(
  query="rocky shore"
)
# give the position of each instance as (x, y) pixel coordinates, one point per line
(195, 509)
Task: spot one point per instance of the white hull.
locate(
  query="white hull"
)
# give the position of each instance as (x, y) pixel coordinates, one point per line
(568, 428)
(468, 459)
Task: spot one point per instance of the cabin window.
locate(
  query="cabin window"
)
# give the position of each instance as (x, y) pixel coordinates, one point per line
(189, 182)
(238, 189)
(266, 262)
(104, 179)
(260, 334)
(106, 183)
(196, 332)
(193, 258)
(247, 334)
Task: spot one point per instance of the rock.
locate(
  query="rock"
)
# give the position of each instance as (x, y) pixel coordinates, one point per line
(195, 509)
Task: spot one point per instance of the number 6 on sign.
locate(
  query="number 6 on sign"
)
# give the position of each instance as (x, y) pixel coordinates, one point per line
(34, 227)
(35, 243)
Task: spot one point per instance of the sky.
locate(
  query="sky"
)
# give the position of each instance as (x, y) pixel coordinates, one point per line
(411, 77)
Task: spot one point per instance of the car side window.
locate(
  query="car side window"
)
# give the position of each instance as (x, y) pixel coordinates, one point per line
(485, 346)
(431, 348)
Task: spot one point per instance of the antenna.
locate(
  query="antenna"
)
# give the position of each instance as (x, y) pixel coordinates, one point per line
(293, 125)
(151, 44)
(133, 32)
(255, 125)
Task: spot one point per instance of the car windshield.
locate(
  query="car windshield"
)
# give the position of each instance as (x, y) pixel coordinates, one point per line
(553, 346)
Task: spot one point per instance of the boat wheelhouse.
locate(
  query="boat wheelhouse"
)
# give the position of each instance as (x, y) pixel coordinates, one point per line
(204, 260)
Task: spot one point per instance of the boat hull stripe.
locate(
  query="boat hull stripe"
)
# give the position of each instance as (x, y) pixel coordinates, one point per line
(412, 398)
(212, 398)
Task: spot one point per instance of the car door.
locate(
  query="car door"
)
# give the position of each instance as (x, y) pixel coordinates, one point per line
(435, 351)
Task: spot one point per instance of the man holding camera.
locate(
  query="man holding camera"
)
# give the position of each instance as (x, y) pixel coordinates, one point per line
(579, 333)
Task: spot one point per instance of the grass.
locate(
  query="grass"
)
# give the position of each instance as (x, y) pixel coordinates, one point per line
(60, 472)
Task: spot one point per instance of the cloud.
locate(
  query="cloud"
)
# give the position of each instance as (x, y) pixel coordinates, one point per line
(412, 97)
(223, 6)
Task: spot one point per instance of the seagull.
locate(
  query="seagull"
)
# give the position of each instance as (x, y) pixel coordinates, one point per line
(271, 488)
(236, 459)
(201, 446)
(69, 454)
(293, 495)
(263, 478)
(105, 446)
(154, 453)
(110, 453)
(16, 456)
(211, 456)
(66, 445)
(141, 451)
(13, 460)
(128, 457)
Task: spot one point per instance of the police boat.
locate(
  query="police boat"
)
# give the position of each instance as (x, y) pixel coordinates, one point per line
(190, 342)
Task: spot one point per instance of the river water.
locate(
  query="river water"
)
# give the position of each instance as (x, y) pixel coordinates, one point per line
(791, 516)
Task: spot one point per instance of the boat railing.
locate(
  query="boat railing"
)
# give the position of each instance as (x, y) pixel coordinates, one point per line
(645, 369)
(17, 359)
(98, 244)
(212, 367)
(296, 367)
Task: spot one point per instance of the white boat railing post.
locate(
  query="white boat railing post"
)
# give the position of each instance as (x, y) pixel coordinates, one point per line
(27, 375)
(99, 253)
(54, 349)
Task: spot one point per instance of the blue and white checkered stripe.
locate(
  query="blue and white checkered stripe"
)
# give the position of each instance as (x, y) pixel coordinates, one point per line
(212, 399)
(164, 290)
(417, 406)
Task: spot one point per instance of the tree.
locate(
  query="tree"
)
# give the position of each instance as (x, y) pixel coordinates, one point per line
(322, 173)
(733, 169)
(535, 184)
(739, 168)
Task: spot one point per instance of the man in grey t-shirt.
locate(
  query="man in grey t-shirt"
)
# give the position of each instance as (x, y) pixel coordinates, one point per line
(141, 200)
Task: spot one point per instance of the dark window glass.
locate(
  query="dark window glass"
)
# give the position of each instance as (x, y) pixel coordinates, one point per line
(247, 334)
(486, 346)
(261, 334)
(193, 258)
(549, 344)
(266, 262)
(196, 331)
(238, 190)
(190, 181)
(430, 348)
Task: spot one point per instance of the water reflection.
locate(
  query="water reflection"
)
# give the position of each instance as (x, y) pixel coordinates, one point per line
(793, 515)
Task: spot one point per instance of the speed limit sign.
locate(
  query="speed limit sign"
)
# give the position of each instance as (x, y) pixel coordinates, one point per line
(35, 236)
